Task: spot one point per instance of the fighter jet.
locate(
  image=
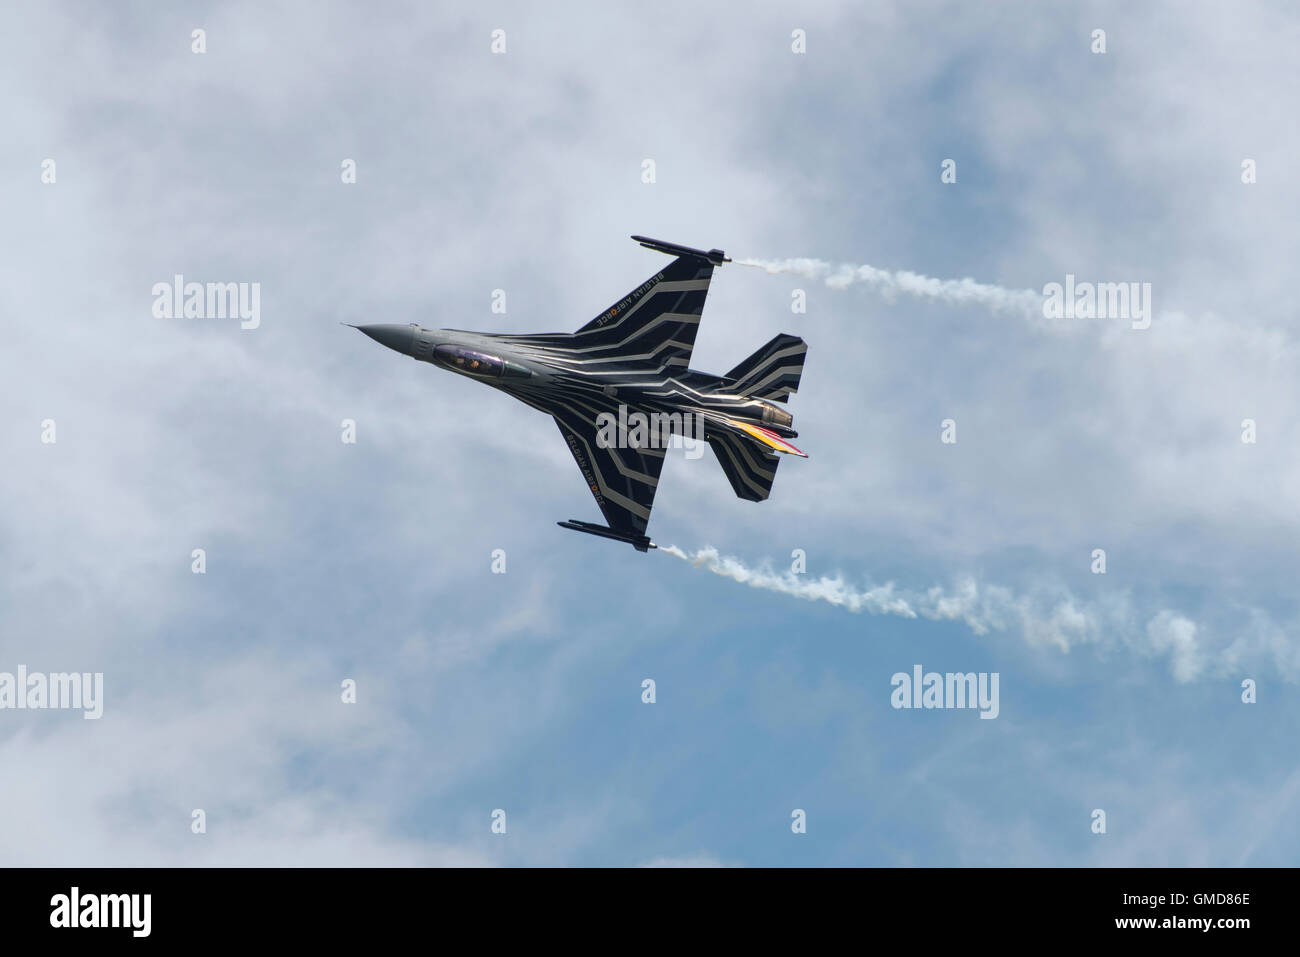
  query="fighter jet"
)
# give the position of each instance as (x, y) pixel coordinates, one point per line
(620, 386)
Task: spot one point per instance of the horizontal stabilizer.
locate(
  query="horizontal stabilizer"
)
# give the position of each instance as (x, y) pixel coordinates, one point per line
(773, 372)
(750, 470)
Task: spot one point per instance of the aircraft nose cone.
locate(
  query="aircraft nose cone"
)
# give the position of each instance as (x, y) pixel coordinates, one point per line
(397, 337)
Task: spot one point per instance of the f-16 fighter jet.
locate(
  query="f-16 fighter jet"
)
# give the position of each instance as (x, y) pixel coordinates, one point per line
(620, 386)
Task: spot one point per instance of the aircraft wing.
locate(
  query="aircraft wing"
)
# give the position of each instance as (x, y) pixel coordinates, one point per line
(622, 480)
(653, 326)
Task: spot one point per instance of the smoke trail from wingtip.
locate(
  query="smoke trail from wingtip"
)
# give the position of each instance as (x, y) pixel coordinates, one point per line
(875, 601)
(978, 611)
(890, 285)
(1052, 617)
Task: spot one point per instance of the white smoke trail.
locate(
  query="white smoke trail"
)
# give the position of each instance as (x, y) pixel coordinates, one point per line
(1021, 302)
(1054, 619)
(980, 610)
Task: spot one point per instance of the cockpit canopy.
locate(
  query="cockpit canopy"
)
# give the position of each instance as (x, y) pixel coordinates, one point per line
(477, 363)
(469, 360)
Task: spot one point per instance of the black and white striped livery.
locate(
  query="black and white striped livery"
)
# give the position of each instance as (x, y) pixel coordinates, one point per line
(631, 364)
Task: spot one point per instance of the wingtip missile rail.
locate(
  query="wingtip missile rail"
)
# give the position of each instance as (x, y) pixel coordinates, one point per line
(640, 542)
(715, 256)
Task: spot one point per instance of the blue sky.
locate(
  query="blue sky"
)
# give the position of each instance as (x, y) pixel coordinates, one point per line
(522, 691)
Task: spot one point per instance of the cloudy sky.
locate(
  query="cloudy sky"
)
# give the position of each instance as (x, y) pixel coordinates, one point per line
(523, 171)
